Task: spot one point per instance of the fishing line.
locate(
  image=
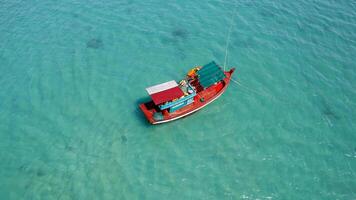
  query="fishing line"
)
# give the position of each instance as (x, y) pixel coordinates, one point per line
(226, 55)
(256, 92)
(229, 33)
(249, 89)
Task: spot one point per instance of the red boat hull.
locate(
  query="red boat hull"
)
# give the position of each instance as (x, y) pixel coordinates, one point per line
(202, 99)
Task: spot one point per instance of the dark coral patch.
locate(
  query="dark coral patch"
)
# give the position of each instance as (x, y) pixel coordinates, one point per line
(95, 43)
(75, 15)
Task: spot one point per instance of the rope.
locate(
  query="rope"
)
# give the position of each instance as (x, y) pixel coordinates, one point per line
(251, 90)
(281, 101)
(238, 83)
(226, 55)
(228, 35)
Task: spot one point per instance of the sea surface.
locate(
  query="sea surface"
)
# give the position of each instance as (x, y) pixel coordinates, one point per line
(72, 73)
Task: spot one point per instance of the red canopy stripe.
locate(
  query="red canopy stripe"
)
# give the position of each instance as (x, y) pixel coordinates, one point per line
(167, 95)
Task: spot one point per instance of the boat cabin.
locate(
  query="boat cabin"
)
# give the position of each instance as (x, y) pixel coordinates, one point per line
(171, 96)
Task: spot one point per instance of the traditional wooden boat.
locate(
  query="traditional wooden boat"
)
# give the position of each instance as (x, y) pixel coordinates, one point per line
(171, 101)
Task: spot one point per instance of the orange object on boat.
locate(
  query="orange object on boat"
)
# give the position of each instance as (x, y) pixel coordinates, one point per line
(193, 71)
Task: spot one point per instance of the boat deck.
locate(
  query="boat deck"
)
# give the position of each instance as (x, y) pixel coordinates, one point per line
(207, 95)
(202, 98)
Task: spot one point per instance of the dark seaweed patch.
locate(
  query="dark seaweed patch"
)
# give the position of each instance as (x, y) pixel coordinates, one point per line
(23, 167)
(267, 14)
(123, 139)
(328, 111)
(129, 11)
(180, 33)
(69, 148)
(95, 43)
(175, 39)
(40, 173)
(26, 169)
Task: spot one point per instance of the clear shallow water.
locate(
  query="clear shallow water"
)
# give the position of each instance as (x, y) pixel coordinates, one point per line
(72, 73)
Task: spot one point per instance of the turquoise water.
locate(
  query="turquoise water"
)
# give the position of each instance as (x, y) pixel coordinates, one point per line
(72, 73)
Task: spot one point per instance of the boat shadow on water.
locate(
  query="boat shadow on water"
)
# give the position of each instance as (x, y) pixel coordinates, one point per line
(138, 113)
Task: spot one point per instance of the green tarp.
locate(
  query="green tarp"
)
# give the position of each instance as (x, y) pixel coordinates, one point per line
(210, 74)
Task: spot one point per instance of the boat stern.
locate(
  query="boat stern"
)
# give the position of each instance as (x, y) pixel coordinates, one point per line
(147, 112)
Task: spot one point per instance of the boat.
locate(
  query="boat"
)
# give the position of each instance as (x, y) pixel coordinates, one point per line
(171, 100)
